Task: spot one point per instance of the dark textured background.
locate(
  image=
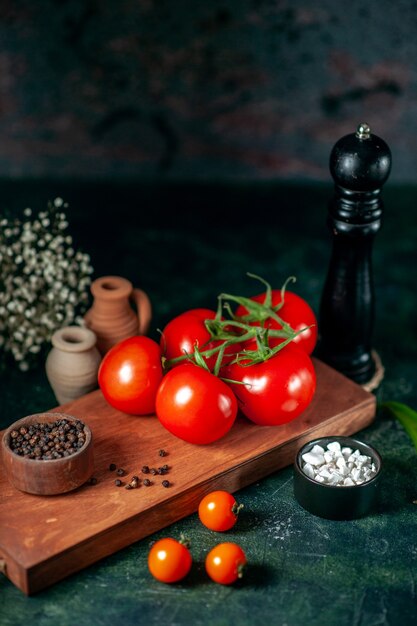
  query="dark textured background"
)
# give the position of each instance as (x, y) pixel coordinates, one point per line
(231, 89)
(144, 96)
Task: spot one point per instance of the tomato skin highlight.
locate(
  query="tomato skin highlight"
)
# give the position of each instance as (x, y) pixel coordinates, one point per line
(225, 562)
(277, 390)
(183, 332)
(195, 405)
(169, 560)
(216, 511)
(296, 312)
(129, 375)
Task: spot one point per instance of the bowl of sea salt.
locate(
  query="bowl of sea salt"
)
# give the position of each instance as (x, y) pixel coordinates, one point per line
(337, 477)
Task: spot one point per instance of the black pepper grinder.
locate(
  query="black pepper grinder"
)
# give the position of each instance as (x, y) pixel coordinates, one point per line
(360, 164)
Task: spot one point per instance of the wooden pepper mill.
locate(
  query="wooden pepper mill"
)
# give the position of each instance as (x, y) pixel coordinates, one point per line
(360, 164)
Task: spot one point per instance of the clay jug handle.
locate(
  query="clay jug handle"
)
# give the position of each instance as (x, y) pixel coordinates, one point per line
(144, 310)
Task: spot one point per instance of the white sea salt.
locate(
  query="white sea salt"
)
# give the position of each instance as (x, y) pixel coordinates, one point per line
(313, 459)
(334, 446)
(338, 466)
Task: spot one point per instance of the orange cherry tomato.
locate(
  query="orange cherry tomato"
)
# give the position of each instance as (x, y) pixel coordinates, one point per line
(225, 563)
(169, 560)
(218, 511)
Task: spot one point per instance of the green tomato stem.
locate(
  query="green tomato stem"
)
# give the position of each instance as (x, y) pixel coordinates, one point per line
(239, 329)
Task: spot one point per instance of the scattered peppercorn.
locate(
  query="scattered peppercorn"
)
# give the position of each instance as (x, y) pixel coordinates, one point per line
(135, 478)
(153, 471)
(166, 483)
(120, 472)
(112, 467)
(147, 482)
(128, 486)
(162, 453)
(145, 469)
(118, 482)
(165, 468)
(48, 440)
(92, 481)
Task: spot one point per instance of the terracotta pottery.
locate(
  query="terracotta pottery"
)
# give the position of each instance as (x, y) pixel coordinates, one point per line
(51, 477)
(73, 362)
(112, 317)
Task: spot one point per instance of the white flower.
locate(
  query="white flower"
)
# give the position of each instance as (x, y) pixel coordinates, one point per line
(43, 281)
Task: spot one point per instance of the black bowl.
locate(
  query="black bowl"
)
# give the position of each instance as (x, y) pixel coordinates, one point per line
(337, 502)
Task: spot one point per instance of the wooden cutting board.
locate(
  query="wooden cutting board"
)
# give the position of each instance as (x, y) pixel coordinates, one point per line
(45, 538)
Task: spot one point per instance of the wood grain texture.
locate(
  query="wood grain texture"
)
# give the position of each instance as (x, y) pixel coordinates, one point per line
(44, 539)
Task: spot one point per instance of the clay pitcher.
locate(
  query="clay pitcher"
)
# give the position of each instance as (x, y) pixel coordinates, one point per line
(112, 317)
(72, 364)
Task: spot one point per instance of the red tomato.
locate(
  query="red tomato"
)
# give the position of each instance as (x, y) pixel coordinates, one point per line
(169, 560)
(225, 563)
(277, 390)
(219, 511)
(195, 405)
(296, 312)
(129, 375)
(182, 333)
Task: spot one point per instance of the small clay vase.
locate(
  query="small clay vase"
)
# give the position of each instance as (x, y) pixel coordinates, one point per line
(73, 362)
(112, 317)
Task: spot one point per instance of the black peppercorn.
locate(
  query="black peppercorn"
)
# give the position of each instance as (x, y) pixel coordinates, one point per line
(147, 482)
(162, 453)
(145, 469)
(93, 480)
(120, 472)
(118, 482)
(153, 471)
(166, 483)
(48, 441)
(112, 467)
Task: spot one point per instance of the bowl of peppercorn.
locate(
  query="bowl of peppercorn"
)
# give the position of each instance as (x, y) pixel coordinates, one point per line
(48, 453)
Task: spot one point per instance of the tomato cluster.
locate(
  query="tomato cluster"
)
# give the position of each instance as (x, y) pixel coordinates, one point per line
(257, 360)
(169, 560)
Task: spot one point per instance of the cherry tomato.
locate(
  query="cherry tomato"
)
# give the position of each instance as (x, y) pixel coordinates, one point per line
(195, 405)
(296, 312)
(277, 390)
(218, 511)
(129, 375)
(169, 560)
(183, 332)
(225, 563)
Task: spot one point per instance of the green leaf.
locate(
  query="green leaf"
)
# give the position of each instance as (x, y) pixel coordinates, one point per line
(405, 415)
